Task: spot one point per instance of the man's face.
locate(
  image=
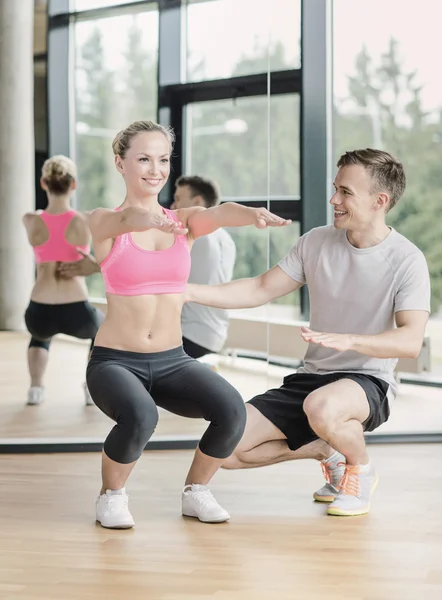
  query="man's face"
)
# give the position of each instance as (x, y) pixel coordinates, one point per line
(183, 198)
(356, 206)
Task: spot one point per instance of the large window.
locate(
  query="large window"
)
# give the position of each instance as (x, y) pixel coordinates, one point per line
(115, 84)
(252, 151)
(387, 95)
(230, 140)
(91, 4)
(227, 38)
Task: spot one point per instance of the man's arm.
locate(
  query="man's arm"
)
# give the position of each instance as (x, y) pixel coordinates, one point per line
(244, 293)
(403, 342)
(81, 268)
(202, 221)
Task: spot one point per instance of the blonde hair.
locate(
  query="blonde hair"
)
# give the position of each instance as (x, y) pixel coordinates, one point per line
(59, 172)
(386, 172)
(123, 139)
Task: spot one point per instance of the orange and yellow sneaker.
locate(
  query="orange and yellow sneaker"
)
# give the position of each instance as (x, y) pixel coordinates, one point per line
(333, 469)
(356, 487)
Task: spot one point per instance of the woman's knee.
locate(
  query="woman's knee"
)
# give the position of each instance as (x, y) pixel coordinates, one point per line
(226, 429)
(140, 421)
(135, 426)
(35, 343)
(122, 397)
(232, 416)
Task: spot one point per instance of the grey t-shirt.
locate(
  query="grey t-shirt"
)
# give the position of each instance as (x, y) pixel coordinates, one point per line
(213, 259)
(356, 290)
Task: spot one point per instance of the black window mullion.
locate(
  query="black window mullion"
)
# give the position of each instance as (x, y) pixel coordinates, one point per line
(281, 82)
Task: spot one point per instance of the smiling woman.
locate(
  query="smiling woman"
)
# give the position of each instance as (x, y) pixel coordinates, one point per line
(138, 362)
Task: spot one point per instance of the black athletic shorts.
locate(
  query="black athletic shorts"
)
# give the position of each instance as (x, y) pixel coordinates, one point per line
(284, 406)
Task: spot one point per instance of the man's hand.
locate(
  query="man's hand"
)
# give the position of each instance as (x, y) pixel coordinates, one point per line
(80, 268)
(264, 218)
(336, 341)
(187, 293)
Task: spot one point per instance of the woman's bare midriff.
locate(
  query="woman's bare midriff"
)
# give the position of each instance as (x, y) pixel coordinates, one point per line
(50, 288)
(150, 323)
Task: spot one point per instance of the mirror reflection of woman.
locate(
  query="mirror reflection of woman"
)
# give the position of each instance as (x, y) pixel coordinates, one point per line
(59, 235)
(138, 362)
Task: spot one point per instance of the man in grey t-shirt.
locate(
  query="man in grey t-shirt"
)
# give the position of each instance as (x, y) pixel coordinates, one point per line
(213, 259)
(369, 293)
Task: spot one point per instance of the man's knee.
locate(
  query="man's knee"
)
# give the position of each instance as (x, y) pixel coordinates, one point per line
(318, 406)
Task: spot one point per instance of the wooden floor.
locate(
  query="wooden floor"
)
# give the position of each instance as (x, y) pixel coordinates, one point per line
(64, 415)
(279, 544)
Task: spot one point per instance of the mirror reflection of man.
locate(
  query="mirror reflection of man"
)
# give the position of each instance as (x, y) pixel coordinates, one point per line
(213, 260)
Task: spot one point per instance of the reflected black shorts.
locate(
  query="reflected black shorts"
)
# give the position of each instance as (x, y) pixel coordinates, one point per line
(77, 319)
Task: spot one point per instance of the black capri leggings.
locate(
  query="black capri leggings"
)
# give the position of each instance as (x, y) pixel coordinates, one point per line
(78, 319)
(128, 387)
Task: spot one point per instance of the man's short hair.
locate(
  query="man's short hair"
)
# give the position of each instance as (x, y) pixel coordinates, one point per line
(201, 186)
(386, 172)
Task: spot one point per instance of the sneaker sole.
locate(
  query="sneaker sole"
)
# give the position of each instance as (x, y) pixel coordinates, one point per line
(339, 512)
(35, 402)
(324, 498)
(115, 526)
(205, 521)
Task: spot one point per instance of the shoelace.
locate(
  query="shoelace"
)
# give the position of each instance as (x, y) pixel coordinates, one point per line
(326, 470)
(328, 474)
(117, 502)
(205, 498)
(350, 483)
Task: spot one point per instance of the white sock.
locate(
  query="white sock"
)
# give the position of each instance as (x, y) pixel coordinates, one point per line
(333, 458)
(117, 492)
(364, 468)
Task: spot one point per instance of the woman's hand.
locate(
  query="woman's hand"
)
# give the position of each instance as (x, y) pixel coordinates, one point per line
(163, 223)
(264, 218)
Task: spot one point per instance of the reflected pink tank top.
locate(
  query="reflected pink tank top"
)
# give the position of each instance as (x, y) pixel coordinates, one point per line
(57, 249)
(129, 270)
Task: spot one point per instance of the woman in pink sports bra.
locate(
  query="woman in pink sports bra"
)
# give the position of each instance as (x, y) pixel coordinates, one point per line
(138, 362)
(58, 304)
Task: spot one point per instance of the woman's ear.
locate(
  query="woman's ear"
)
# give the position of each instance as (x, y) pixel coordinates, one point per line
(119, 163)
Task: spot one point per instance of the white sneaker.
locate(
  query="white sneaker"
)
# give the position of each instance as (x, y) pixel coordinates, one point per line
(35, 395)
(198, 502)
(333, 469)
(87, 396)
(112, 510)
(357, 486)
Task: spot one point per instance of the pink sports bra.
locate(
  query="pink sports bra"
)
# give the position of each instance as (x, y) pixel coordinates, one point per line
(57, 249)
(129, 270)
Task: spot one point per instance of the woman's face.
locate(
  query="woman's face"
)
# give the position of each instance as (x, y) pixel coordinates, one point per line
(146, 166)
